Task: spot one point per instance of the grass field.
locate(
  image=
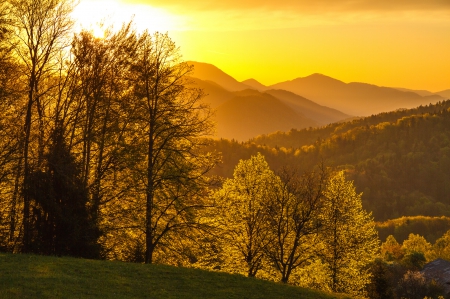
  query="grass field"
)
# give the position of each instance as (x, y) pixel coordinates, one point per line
(31, 276)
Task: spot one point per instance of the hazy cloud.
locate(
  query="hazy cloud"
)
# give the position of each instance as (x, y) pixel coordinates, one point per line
(305, 5)
(223, 15)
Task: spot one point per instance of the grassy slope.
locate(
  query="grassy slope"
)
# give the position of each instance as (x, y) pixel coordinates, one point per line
(29, 276)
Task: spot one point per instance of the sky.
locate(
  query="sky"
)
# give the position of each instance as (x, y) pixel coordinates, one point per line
(394, 43)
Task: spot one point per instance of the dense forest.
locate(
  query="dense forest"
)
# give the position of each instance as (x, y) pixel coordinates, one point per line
(400, 160)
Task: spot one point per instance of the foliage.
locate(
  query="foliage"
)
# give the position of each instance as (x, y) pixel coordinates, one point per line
(441, 248)
(40, 30)
(413, 261)
(381, 284)
(349, 237)
(60, 219)
(393, 280)
(398, 159)
(431, 228)
(169, 123)
(242, 203)
(416, 243)
(124, 179)
(293, 212)
(391, 250)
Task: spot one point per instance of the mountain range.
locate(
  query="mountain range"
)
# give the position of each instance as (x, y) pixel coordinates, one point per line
(247, 109)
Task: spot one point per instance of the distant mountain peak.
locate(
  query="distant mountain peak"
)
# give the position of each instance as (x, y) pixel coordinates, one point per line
(321, 77)
(252, 81)
(254, 84)
(207, 71)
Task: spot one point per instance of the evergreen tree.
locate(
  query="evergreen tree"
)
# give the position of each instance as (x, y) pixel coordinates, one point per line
(61, 224)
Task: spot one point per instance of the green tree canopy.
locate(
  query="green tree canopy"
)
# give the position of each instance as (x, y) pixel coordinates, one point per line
(242, 202)
(349, 237)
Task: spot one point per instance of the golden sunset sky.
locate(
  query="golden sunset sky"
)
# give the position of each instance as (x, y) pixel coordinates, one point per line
(395, 43)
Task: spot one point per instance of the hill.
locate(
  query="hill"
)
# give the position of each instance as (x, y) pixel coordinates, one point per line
(399, 160)
(254, 84)
(320, 114)
(354, 98)
(206, 71)
(445, 94)
(215, 95)
(248, 113)
(422, 93)
(251, 113)
(30, 276)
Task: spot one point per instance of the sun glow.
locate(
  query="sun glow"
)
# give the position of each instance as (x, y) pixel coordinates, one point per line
(98, 15)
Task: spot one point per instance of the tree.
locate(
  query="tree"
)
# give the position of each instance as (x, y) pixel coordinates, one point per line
(391, 249)
(349, 237)
(242, 217)
(10, 118)
(41, 30)
(381, 285)
(61, 223)
(97, 126)
(441, 248)
(169, 122)
(416, 243)
(293, 212)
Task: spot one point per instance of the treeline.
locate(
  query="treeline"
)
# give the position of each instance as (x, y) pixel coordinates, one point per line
(100, 138)
(399, 160)
(431, 228)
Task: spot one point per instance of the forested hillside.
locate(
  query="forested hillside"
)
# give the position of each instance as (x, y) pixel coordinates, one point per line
(400, 160)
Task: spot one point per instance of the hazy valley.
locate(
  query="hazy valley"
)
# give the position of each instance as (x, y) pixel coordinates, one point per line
(244, 110)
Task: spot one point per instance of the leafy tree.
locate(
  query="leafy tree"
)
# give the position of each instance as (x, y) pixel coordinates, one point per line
(98, 127)
(169, 123)
(391, 250)
(40, 29)
(293, 211)
(242, 202)
(413, 261)
(10, 131)
(349, 237)
(441, 248)
(416, 243)
(103, 89)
